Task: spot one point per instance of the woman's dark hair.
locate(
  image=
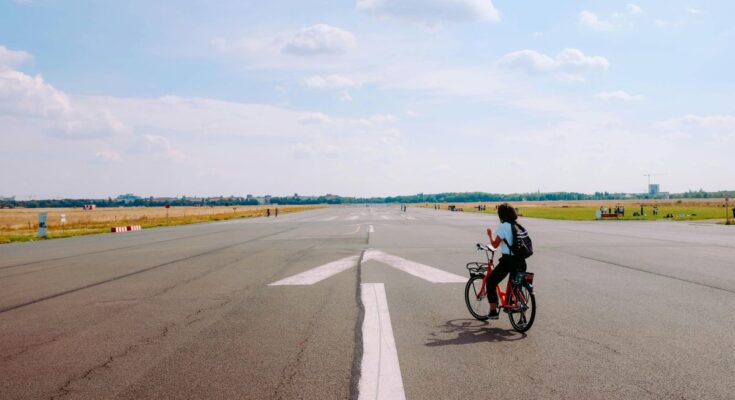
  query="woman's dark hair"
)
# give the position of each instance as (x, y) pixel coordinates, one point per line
(507, 213)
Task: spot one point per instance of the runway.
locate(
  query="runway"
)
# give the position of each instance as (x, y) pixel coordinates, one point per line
(273, 308)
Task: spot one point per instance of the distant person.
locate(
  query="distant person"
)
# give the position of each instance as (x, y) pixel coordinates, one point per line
(267, 212)
(276, 211)
(508, 263)
(641, 209)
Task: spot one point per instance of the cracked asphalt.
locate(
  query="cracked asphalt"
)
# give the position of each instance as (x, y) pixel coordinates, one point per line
(625, 310)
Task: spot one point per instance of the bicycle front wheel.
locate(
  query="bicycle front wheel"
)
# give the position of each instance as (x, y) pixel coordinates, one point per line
(523, 310)
(476, 298)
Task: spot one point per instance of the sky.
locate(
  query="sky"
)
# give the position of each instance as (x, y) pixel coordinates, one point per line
(364, 97)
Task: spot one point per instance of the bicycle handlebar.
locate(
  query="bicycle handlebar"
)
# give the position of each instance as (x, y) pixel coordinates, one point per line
(486, 247)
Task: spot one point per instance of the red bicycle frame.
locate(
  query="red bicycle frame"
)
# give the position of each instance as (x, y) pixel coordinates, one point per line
(503, 296)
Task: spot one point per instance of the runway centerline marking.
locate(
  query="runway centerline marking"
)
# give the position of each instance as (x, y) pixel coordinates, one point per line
(318, 274)
(380, 372)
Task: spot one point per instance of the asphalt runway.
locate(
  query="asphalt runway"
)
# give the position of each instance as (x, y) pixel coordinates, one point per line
(625, 310)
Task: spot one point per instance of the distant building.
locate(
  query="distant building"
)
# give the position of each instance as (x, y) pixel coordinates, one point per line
(11, 198)
(653, 189)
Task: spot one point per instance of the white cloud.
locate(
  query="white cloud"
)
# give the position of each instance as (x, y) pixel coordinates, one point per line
(303, 150)
(619, 95)
(617, 20)
(344, 96)
(590, 20)
(633, 9)
(11, 58)
(330, 82)
(566, 62)
(159, 146)
(722, 123)
(107, 156)
(30, 95)
(432, 11)
(315, 118)
(319, 39)
(695, 11)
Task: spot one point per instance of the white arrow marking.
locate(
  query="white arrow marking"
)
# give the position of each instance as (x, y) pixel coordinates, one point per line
(422, 271)
(371, 230)
(318, 274)
(380, 375)
(425, 272)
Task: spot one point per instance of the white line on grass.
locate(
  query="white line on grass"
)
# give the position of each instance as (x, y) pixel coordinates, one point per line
(380, 372)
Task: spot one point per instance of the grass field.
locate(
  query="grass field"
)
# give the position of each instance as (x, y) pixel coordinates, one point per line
(682, 210)
(21, 224)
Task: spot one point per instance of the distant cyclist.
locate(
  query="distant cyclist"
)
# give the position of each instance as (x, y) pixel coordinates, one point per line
(508, 263)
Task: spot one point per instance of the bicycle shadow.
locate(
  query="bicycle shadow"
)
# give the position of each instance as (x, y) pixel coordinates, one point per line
(472, 331)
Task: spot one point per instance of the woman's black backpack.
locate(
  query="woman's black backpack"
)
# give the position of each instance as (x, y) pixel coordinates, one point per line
(522, 246)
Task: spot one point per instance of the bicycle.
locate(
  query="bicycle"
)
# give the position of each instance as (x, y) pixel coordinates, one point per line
(518, 300)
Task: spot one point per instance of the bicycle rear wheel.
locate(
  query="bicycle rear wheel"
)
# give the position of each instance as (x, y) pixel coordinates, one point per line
(476, 298)
(523, 315)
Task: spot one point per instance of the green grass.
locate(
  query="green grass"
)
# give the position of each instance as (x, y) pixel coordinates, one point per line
(683, 213)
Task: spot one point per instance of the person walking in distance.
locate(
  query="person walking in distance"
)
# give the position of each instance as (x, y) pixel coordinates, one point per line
(508, 262)
(276, 211)
(267, 212)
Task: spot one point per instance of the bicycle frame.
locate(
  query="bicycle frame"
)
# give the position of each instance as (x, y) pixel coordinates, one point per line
(503, 295)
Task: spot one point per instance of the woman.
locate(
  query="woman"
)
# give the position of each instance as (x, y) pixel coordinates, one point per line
(508, 263)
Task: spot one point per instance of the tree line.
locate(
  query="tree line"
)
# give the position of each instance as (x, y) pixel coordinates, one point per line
(464, 197)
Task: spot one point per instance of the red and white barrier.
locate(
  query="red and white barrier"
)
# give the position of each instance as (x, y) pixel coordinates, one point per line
(118, 229)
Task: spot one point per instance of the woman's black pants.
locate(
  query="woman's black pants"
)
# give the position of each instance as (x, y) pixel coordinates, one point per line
(506, 265)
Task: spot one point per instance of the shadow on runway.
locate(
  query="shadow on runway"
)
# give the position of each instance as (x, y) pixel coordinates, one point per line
(470, 331)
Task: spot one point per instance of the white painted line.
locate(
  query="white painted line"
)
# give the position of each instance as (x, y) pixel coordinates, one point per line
(384, 217)
(318, 274)
(380, 372)
(411, 217)
(422, 271)
(354, 217)
(332, 218)
(359, 226)
(371, 230)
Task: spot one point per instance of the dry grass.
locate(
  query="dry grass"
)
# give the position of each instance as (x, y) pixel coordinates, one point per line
(21, 224)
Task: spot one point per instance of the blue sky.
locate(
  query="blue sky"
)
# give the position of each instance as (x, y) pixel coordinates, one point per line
(366, 97)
